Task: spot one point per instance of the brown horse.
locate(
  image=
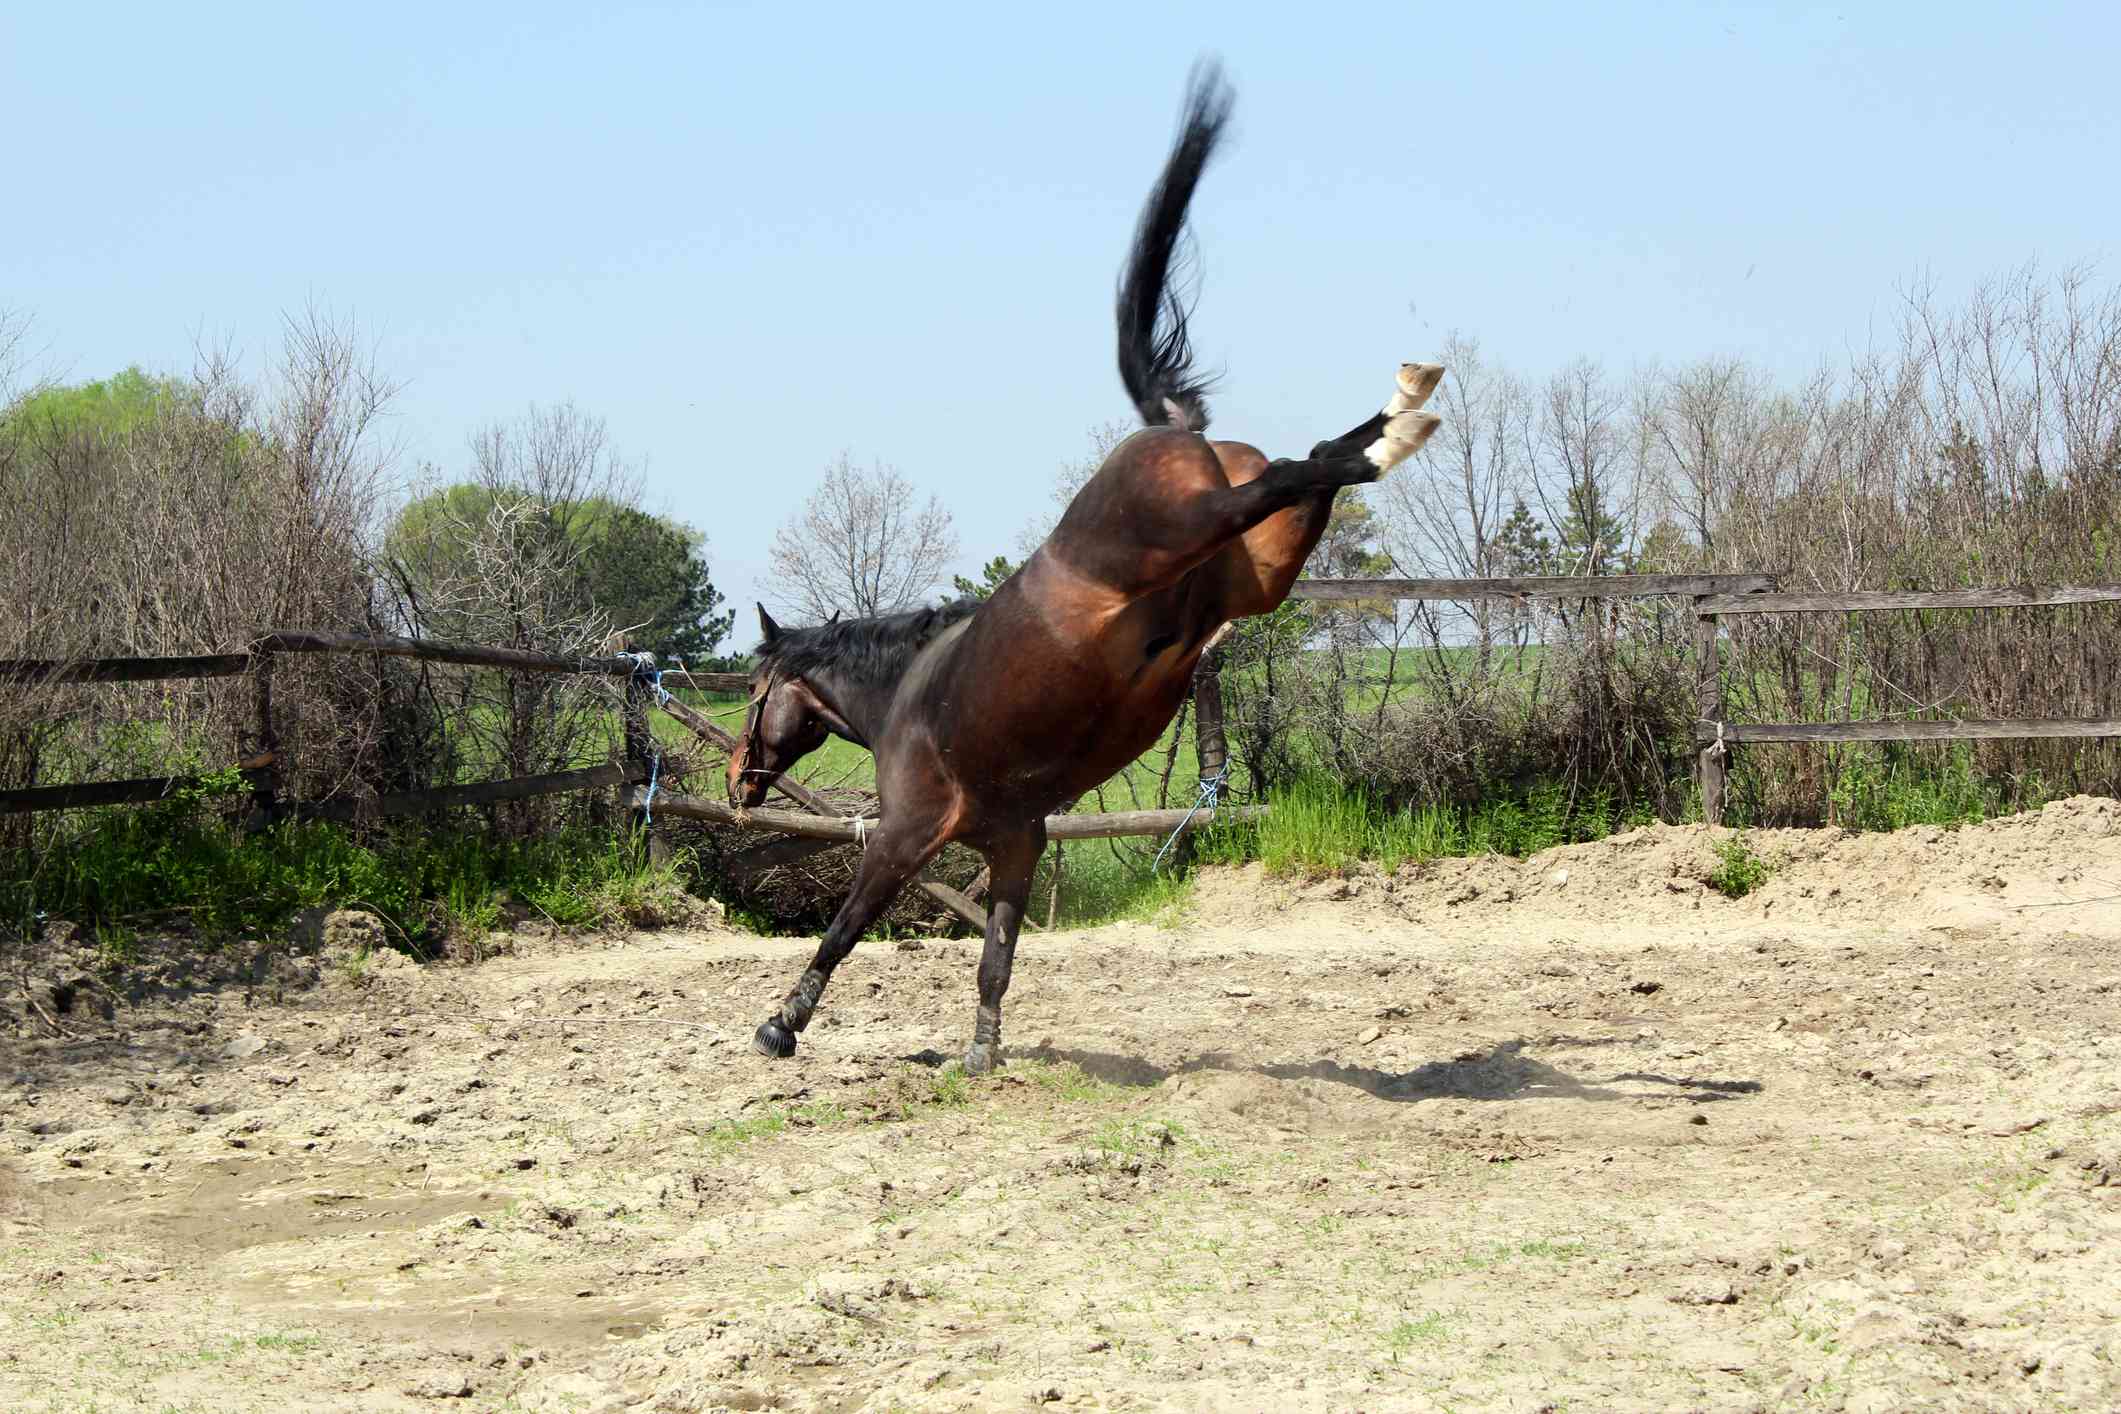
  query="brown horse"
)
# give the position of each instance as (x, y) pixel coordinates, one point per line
(984, 722)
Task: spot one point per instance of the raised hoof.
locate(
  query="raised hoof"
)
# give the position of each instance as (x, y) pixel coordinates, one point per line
(1404, 435)
(983, 1060)
(1416, 382)
(775, 1040)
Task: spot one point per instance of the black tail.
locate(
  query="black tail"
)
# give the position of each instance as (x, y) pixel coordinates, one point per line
(1155, 357)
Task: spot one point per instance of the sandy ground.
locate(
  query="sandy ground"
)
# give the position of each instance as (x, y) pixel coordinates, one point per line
(1572, 1133)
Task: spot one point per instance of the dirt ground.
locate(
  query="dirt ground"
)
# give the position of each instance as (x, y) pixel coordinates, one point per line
(1568, 1133)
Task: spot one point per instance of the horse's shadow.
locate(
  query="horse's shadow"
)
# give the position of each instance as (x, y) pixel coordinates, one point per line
(1502, 1072)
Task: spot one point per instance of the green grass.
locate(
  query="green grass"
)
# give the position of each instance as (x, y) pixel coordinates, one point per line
(1406, 1334)
(1314, 827)
(1738, 870)
(733, 1134)
(1069, 1081)
(117, 870)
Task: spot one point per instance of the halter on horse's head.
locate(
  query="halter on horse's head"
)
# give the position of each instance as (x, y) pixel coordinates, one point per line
(787, 721)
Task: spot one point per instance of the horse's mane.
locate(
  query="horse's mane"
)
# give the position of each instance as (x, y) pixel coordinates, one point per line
(874, 650)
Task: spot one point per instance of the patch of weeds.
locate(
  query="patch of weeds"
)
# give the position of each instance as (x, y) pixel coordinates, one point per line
(1556, 1251)
(913, 1091)
(2011, 1187)
(354, 967)
(291, 1344)
(57, 1319)
(1405, 1334)
(1213, 1166)
(117, 946)
(952, 1089)
(1069, 1081)
(1135, 1139)
(236, 1347)
(188, 855)
(732, 1134)
(469, 912)
(1501, 1252)
(1738, 870)
(817, 1114)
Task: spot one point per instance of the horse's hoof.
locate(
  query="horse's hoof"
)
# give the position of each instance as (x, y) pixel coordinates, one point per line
(981, 1060)
(775, 1040)
(1403, 436)
(1416, 382)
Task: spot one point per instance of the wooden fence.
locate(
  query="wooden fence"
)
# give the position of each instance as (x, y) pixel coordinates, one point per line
(261, 772)
(1716, 595)
(828, 825)
(1713, 733)
(825, 824)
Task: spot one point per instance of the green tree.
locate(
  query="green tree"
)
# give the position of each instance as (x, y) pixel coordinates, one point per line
(109, 407)
(645, 574)
(1593, 539)
(991, 575)
(1348, 549)
(1522, 546)
(649, 575)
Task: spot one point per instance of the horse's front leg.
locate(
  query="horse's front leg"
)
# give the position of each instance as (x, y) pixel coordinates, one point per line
(1009, 862)
(893, 856)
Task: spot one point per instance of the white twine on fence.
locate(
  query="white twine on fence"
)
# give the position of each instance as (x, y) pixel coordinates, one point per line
(1717, 747)
(862, 825)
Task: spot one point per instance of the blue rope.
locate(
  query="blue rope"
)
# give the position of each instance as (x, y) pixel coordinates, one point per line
(645, 670)
(655, 767)
(644, 667)
(1210, 791)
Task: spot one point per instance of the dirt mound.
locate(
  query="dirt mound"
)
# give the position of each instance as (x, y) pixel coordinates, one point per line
(2055, 869)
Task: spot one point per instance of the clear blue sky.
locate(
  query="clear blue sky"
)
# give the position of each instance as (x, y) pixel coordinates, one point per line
(753, 236)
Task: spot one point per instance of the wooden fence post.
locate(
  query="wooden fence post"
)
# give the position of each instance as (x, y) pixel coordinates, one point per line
(1715, 759)
(641, 752)
(1211, 748)
(265, 788)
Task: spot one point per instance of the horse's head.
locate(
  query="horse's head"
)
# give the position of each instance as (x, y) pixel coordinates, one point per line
(788, 720)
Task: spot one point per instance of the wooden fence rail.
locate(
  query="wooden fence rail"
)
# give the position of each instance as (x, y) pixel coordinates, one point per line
(1536, 586)
(1714, 733)
(41, 671)
(1113, 825)
(88, 794)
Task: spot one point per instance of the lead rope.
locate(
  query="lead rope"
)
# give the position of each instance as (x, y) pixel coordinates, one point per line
(1210, 792)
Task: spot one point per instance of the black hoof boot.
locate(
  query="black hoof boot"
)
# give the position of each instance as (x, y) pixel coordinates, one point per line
(775, 1040)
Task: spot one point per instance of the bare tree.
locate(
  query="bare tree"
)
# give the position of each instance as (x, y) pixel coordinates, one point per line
(862, 544)
(1445, 515)
(495, 560)
(14, 330)
(1578, 448)
(193, 514)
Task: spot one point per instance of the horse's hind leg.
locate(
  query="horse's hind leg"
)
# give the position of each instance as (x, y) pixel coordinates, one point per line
(1367, 451)
(1398, 430)
(887, 863)
(1009, 863)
